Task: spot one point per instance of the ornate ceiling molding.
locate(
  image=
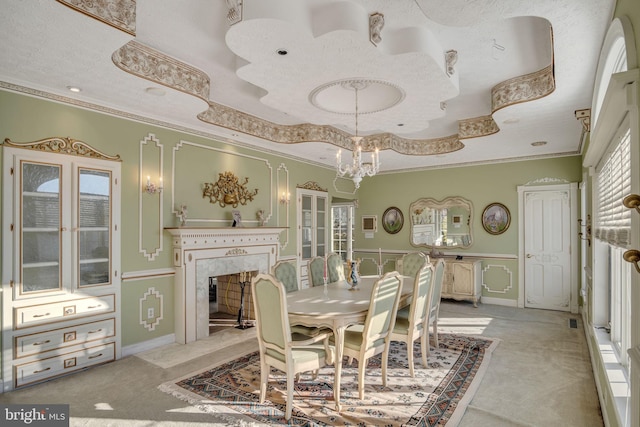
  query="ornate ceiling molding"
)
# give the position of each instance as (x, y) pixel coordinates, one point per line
(143, 61)
(63, 146)
(523, 88)
(120, 14)
(229, 118)
(476, 127)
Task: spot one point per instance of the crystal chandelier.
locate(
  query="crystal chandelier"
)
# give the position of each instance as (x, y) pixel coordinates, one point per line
(357, 169)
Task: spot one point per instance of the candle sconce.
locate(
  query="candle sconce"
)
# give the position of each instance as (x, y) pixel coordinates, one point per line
(151, 187)
(285, 198)
(586, 235)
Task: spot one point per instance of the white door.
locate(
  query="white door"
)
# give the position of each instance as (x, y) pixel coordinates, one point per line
(547, 248)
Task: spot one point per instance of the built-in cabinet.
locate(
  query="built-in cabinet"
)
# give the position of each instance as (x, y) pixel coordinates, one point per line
(61, 260)
(313, 228)
(462, 280)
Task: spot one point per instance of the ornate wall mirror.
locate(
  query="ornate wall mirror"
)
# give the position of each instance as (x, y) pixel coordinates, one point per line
(445, 223)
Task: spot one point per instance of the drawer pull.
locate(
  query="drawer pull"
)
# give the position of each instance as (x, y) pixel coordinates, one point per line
(94, 306)
(42, 315)
(95, 355)
(95, 332)
(42, 370)
(42, 342)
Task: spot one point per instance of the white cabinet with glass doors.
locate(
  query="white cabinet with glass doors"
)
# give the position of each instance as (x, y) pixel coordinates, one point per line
(313, 228)
(61, 260)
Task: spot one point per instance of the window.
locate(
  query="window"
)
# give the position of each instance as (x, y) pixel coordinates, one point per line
(342, 230)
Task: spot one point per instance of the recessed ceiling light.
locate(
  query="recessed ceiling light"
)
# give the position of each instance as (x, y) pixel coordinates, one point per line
(155, 91)
(282, 52)
(74, 89)
(539, 143)
(400, 124)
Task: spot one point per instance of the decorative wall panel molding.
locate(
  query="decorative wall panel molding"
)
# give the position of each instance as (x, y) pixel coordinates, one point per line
(282, 185)
(120, 14)
(502, 279)
(150, 212)
(151, 309)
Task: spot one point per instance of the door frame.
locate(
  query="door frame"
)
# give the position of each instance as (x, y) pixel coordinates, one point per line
(572, 187)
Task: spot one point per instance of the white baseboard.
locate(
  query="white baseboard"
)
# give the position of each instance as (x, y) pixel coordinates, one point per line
(148, 345)
(499, 301)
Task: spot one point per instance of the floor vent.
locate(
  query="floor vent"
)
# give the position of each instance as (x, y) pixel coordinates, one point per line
(573, 323)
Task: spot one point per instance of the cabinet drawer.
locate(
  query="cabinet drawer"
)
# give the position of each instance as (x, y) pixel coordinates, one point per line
(27, 345)
(63, 310)
(44, 369)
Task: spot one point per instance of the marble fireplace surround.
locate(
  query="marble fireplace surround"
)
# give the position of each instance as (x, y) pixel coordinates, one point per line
(202, 252)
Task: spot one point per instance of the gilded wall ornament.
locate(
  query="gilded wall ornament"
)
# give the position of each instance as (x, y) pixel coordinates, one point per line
(63, 146)
(228, 191)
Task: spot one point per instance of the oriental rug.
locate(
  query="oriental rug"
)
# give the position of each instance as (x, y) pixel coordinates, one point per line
(437, 396)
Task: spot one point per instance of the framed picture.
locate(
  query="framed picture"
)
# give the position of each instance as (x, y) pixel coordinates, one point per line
(496, 218)
(369, 223)
(392, 220)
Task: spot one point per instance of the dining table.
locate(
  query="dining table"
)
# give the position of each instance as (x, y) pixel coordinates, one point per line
(337, 306)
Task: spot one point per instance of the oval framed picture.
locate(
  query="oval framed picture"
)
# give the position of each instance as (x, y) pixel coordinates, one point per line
(496, 218)
(392, 220)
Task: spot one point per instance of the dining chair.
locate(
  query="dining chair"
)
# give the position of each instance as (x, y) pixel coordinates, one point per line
(278, 347)
(411, 322)
(335, 268)
(434, 308)
(285, 272)
(374, 335)
(316, 271)
(412, 262)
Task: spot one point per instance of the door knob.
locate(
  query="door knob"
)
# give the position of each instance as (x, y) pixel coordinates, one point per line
(632, 256)
(632, 201)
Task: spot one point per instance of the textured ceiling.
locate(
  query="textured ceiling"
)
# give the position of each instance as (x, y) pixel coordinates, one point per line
(522, 68)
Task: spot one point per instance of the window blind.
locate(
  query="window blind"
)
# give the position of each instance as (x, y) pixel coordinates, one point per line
(613, 222)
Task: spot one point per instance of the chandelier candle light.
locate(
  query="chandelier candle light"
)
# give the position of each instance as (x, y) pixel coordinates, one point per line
(357, 169)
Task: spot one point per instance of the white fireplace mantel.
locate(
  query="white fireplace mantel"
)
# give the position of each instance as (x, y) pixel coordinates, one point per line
(241, 249)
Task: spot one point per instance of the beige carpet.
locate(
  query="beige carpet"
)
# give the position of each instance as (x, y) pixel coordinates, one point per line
(437, 396)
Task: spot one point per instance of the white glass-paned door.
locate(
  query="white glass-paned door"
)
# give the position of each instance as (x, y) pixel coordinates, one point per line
(94, 226)
(41, 246)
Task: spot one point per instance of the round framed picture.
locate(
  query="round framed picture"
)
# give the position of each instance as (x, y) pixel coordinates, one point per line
(496, 218)
(392, 220)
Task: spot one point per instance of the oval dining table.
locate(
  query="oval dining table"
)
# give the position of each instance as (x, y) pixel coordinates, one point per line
(337, 306)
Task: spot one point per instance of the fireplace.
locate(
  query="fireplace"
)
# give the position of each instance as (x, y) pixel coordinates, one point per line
(202, 253)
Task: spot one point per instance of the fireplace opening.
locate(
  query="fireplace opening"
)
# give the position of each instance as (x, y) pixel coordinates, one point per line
(225, 299)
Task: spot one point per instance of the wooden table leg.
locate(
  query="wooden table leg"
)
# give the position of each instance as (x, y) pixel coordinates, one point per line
(339, 340)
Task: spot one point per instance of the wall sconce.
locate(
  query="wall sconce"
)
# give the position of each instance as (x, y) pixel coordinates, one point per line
(587, 232)
(285, 197)
(151, 187)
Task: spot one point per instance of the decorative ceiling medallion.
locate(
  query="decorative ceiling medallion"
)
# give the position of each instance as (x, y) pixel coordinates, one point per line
(476, 127)
(234, 15)
(373, 96)
(63, 146)
(150, 64)
(376, 23)
(523, 88)
(120, 14)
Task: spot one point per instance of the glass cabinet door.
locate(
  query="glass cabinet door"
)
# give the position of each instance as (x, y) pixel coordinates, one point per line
(40, 240)
(306, 227)
(321, 230)
(94, 227)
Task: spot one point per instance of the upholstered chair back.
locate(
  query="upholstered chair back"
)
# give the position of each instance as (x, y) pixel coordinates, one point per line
(285, 272)
(316, 271)
(335, 268)
(412, 262)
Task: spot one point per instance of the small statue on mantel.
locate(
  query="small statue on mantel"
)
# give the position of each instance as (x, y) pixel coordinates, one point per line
(261, 218)
(182, 215)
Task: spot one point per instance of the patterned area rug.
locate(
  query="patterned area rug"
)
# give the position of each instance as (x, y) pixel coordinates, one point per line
(437, 396)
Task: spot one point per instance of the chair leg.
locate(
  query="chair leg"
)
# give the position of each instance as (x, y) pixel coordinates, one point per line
(435, 333)
(385, 362)
(361, 368)
(264, 377)
(424, 346)
(410, 356)
(290, 385)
